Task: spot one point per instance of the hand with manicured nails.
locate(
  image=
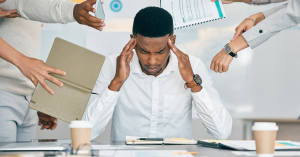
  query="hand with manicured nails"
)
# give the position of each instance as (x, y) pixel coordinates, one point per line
(247, 24)
(46, 121)
(9, 13)
(123, 68)
(243, 27)
(184, 64)
(82, 16)
(37, 71)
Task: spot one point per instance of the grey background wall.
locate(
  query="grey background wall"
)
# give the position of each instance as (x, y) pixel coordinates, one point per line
(261, 83)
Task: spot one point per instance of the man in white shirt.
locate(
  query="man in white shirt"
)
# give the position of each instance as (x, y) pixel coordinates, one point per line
(149, 92)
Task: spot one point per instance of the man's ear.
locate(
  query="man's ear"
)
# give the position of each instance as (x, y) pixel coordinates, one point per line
(173, 39)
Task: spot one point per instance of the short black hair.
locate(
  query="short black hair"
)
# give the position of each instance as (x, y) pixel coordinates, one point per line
(153, 22)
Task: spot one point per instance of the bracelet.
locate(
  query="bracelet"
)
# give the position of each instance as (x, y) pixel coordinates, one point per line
(251, 19)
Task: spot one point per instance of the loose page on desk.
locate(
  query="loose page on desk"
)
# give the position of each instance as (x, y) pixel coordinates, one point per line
(250, 145)
(187, 13)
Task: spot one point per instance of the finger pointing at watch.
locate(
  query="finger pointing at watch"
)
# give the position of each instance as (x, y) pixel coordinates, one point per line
(184, 64)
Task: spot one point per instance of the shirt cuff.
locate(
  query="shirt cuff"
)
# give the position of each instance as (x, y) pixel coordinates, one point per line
(204, 97)
(67, 9)
(109, 96)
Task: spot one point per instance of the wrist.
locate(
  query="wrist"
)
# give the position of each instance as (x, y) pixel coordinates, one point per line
(257, 17)
(196, 89)
(19, 59)
(238, 44)
(115, 85)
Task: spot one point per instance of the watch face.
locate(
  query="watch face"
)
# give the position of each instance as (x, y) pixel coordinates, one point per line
(197, 79)
(227, 48)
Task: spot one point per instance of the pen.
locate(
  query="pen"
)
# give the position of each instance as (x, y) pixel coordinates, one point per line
(151, 139)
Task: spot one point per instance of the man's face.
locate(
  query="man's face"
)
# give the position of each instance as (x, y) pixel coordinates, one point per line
(153, 53)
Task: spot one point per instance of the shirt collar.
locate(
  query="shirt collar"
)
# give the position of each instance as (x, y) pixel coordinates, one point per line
(172, 65)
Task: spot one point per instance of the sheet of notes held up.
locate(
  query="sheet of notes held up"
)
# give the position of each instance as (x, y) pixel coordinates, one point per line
(187, 13)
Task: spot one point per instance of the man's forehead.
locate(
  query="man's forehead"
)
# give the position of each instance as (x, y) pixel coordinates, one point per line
(152, 44)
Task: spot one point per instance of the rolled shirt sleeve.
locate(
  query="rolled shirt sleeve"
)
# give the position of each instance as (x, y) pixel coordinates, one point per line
(103, 101)
(209, 107)
(263, 2)
(286, 17)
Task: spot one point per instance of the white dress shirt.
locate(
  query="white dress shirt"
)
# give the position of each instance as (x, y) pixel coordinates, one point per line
(150, 106)
(276, 20)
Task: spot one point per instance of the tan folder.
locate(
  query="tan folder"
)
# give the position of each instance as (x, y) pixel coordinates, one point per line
(82, 67)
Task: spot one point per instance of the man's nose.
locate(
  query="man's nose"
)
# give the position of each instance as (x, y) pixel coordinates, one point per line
(152, 59)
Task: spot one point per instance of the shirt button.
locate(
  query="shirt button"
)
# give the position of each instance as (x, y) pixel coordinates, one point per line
(260, 31)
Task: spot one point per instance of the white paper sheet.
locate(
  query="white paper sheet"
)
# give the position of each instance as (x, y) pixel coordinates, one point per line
(192, 12)
(277, 153)
(143, 153)
(108, 147)
(250, 145)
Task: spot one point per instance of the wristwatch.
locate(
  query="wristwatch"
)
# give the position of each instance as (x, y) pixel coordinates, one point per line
(228, 50)
(196, 81)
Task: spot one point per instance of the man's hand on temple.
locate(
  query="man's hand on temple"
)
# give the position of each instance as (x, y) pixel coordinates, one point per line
(82, 16)
(46, 121)
(123, 68)
(184, 64)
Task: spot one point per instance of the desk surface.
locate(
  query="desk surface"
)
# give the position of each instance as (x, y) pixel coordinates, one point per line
(203, 151)
(272, 120)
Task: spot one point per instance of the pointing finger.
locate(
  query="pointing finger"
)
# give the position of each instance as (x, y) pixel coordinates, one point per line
(238, 32)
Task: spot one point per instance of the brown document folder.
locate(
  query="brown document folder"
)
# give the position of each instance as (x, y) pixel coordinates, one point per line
(82, 67)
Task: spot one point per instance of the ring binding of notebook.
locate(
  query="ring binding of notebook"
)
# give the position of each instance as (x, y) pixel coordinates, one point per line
(187, 13)
(199, 23)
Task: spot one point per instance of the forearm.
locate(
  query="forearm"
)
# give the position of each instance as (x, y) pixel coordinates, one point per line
(238, 44)
(100, 110)
(48, 11)
(246, 1)
(213, 115)
(10, 54)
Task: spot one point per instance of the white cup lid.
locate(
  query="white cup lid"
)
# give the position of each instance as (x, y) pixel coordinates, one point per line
(264, 126)
(80, 124)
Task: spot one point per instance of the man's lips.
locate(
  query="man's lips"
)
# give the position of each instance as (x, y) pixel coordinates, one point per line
(151, 69)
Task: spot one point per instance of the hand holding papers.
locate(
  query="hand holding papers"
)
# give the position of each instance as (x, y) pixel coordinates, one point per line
(188, 13)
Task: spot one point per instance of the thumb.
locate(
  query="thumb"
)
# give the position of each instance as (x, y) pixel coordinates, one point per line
(1, 1)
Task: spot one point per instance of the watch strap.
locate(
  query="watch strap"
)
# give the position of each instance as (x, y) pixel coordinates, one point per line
(232, 54)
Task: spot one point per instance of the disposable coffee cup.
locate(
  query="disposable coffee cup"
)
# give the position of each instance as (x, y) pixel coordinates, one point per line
(81, 136)
(265, 136)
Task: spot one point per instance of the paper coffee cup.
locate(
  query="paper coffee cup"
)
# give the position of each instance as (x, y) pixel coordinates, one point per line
(81, 135)
(265, 136)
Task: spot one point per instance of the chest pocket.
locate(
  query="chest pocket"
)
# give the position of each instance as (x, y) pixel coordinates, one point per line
(177, 107)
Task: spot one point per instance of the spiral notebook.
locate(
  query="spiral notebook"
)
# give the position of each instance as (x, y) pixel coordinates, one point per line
(187, 13)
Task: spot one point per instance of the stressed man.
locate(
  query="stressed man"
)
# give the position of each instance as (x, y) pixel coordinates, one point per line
(149, 92)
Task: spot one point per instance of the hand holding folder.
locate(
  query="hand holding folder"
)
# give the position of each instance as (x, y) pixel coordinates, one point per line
(82, 67)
